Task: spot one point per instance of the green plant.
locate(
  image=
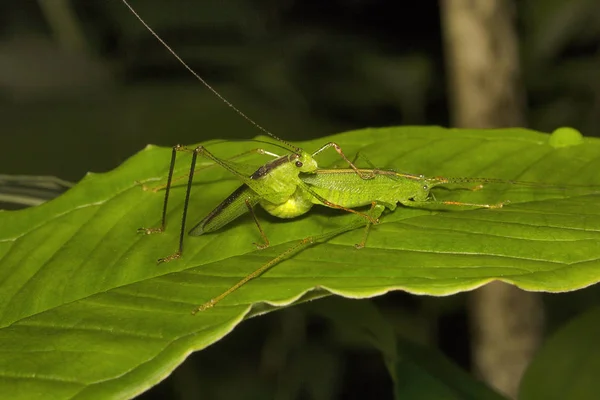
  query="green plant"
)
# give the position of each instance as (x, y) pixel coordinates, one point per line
(86, 313)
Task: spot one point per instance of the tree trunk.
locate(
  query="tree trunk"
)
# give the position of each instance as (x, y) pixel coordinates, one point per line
(485, 92)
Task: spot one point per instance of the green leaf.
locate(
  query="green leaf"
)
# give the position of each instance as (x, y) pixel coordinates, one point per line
(566, 367)
(86, 312)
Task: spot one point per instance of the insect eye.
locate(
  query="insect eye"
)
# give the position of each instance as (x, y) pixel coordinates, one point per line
(299, 164)
(425, 187)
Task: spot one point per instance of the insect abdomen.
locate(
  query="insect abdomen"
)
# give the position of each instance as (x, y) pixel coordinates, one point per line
(297, 204)
(346, 188)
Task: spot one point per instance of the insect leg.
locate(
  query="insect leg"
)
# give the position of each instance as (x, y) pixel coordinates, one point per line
(364, 158)
(338, 149)
(475, 205)
(301, 245)
(329, 204)
(376, 209)
(449, 204)
(260, 229)
(177, 254)
(161, 228)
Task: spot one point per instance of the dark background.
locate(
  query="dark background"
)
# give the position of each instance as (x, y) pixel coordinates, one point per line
(83, 92)
(83, 86)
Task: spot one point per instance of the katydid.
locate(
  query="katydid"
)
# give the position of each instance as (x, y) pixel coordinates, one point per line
(273, 185)
(291, 184)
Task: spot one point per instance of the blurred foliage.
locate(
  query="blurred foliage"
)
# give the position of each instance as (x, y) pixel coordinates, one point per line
(561, 63)
(18, 192)
(83, 86)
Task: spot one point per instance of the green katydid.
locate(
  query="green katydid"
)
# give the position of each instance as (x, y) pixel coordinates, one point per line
(289, 185)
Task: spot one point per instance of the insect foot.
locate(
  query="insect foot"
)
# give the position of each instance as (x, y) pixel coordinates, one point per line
(204, 307)
(149, 231)
(499, 205)
(366, 175)
(149, 188)
(261, 246)
(172, 257)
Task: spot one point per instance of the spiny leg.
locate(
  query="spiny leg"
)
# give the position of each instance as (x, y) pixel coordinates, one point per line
(186, 202)
(161, 228)
(425, 204)
(338, 149)
(476, 205)
(364, 158)
(329, 204)
(262, 233)
(283, 256)
(376, 209)
(304, 243)
(198, 150)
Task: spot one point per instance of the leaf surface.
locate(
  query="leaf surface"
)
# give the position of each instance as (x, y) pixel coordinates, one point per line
(86, 313)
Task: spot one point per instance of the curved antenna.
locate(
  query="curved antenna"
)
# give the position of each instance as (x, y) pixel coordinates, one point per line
(269, 143)
(206, 84)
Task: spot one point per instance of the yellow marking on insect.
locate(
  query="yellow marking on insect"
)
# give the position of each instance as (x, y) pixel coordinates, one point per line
(295, 205)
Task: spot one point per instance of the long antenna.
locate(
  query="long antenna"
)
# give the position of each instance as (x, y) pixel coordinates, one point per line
(208, 86)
